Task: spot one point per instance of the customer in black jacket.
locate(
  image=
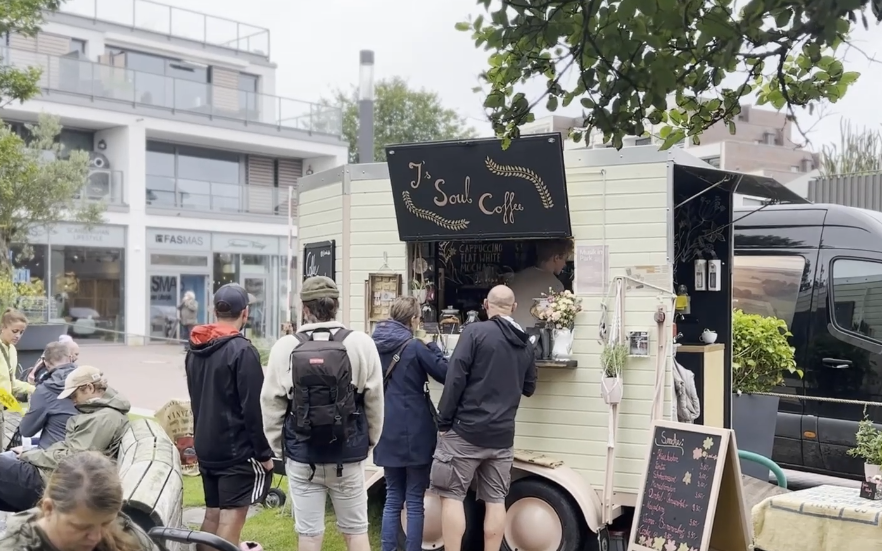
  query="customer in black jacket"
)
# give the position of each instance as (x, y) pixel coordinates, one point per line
(491, 368)
(224, 377)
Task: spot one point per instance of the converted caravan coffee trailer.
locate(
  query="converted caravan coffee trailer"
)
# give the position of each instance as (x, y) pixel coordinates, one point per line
(446, 221)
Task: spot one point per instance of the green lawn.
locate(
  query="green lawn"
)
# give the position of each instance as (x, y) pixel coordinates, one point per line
(274, 528)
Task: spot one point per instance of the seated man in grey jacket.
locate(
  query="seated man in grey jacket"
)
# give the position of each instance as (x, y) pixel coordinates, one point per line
(46, 412)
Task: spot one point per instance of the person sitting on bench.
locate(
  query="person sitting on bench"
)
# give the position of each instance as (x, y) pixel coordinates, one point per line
(47, 415)
(99, 425)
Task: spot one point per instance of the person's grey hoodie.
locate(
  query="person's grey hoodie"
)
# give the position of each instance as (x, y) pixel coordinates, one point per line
(46, 412)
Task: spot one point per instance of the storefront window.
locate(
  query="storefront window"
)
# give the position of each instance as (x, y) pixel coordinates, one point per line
(226, 270)
(86, 285)
(29, 265)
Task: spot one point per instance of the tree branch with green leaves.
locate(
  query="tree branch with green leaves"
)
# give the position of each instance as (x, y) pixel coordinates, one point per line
(657, 66)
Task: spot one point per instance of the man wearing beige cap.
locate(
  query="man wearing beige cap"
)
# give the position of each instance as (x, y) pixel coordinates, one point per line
(322, 400)
(98, 426)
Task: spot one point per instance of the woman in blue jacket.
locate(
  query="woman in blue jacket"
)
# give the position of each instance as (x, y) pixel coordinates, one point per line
(408, 441)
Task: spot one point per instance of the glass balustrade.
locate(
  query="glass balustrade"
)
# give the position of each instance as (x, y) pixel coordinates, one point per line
(147, 90)
(173, 21)
(202, 196)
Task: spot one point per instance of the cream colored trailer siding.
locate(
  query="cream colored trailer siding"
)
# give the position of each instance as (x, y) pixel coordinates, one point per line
(320, 219)
(625, 207)
(373, 234)
(567, 418)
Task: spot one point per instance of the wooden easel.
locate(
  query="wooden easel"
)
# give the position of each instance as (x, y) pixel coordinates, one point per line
(726, 524)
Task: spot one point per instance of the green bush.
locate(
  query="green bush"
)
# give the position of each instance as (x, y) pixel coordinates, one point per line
(760, 353)
(869, 443)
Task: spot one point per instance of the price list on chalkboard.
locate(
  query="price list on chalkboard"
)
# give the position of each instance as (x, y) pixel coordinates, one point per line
(677, 492)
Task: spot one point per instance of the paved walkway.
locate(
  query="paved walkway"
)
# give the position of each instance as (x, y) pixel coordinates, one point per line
(149, 376)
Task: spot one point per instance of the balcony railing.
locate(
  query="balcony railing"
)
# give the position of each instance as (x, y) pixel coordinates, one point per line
(118, 84)
(104, 185)
(177, 22)
(201, 196)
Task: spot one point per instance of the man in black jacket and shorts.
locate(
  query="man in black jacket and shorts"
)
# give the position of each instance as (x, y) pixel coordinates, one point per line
(491, 368)
(224, 377)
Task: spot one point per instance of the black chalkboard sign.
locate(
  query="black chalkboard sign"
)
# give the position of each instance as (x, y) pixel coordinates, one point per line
(480, 264)
(690, 498)
(476, 190)
(319, 259)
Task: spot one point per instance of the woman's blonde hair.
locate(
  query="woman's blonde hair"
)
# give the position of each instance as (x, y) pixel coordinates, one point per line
(404, 309)
(10, 316)
(91, 480)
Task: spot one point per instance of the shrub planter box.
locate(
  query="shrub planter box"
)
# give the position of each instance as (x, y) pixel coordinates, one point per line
(35, 339)
(754, 419)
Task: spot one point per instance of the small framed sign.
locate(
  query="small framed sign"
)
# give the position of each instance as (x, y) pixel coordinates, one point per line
(638, 343)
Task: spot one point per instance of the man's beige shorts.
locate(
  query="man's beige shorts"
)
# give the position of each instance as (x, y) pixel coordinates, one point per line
(458, 462)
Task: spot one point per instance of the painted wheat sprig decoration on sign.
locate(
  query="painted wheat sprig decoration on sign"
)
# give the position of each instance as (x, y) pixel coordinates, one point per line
(513, 171)
(452, 225)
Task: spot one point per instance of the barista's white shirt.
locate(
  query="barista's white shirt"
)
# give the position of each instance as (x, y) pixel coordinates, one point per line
(530, 284)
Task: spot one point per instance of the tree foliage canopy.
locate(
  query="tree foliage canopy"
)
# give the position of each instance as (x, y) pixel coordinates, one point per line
(38, 184)
(23, 17)
(630, 57)
(401, 115)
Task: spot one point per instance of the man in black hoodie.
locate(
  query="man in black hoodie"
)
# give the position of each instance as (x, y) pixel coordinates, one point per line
(491, 368)
(224, 377)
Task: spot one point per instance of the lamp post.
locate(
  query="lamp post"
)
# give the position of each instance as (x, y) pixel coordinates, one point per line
(366, 107)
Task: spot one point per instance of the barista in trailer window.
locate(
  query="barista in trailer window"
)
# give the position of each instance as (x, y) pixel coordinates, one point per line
(535, 281)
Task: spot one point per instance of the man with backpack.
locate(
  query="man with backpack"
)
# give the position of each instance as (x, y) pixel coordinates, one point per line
(322, 400)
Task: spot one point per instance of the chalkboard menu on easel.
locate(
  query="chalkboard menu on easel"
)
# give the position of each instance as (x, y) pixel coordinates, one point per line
(691, 496)
(319, 259)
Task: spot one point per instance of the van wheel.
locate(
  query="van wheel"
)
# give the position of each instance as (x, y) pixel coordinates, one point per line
(540, 517)
(432, 540)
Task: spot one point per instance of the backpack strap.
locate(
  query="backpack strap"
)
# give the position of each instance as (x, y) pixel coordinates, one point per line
(340, 335)
(395, 359)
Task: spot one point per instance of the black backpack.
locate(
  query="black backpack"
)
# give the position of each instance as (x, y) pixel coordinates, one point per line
(324, 403)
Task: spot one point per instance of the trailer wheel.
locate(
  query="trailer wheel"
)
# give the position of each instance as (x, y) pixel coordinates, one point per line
(274, 499)
(432, 541)
(541, 517)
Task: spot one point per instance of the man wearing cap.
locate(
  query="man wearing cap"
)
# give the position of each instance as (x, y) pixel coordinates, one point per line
(317, 469)
(101, 420)
(224, 377)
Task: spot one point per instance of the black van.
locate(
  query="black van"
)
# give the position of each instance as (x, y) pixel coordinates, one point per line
(819, 268)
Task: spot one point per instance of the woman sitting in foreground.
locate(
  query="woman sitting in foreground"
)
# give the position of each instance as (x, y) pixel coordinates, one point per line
(80, 511)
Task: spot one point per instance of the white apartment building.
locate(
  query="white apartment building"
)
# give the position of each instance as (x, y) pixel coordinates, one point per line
(192, 152)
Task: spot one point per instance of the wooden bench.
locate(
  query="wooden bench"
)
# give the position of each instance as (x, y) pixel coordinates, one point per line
(150, 471)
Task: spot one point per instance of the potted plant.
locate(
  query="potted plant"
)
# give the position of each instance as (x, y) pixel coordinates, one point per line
(612, 361)
(31, 299)
(868, 448)
(560, 315)
(761, 355)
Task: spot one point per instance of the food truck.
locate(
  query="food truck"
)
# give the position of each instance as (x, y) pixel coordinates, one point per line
(446, 221)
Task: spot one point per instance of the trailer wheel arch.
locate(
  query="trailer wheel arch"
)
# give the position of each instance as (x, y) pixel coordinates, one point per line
(571, 483)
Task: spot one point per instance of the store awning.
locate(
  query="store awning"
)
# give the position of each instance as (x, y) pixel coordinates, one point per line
(745, 184)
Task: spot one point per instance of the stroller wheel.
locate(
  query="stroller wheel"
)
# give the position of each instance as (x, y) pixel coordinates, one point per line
(274, 499)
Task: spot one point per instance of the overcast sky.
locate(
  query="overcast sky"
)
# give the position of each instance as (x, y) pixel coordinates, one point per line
(316, 45)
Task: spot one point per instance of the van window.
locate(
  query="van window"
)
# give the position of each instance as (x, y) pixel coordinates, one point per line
(768, 285)
(857, 297)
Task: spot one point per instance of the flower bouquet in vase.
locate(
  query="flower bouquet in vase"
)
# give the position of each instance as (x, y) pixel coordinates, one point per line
(560, 315)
